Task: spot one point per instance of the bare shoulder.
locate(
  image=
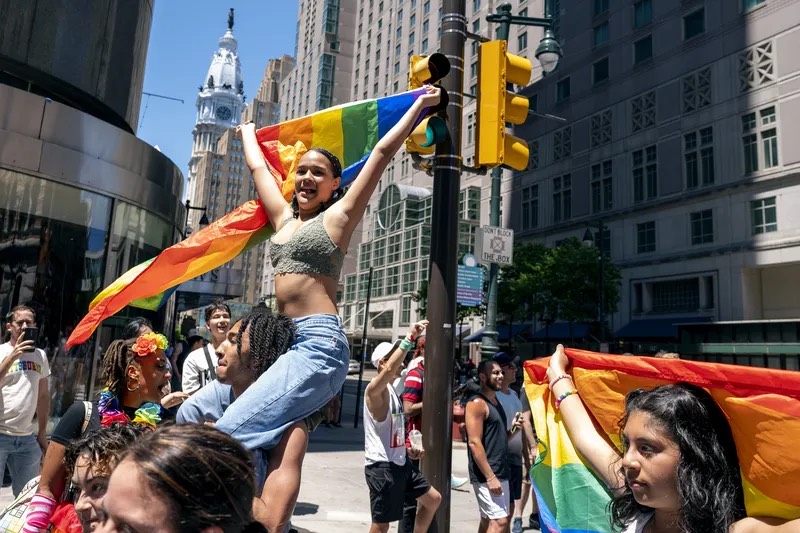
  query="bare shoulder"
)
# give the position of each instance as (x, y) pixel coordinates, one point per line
(760, 524)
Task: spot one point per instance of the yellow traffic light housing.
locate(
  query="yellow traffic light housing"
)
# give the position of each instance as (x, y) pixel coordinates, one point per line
(432, 130)
(497, 105)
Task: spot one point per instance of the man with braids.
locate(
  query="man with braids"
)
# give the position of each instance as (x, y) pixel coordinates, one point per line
(252, 345)
(134, 374)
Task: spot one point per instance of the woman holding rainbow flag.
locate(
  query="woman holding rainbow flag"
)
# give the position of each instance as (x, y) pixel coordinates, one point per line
(679, 472)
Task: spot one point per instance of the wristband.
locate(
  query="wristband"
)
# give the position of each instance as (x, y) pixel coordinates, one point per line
(559, 378)
(40, 511)
(406, 345)
(491, 478)
(564, 396)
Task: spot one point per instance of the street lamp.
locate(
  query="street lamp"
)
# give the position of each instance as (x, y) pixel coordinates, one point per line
(548, 52)
(203, 219)
(588, 240)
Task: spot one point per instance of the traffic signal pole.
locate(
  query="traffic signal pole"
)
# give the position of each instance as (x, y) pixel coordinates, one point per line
(437, 398)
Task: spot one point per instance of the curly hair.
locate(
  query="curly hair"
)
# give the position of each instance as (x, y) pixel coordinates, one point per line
(104, 447)
(116, 360)
(205, 477)
(708, 474)
(270, 337)
(336, 169)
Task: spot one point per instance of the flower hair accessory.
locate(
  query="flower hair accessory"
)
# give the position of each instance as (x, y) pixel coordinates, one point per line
(149, 343)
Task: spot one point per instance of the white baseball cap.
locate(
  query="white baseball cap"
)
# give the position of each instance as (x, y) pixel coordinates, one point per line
(382, 350)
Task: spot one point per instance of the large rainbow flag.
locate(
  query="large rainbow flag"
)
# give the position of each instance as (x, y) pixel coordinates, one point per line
(762, 406)
(350, 131)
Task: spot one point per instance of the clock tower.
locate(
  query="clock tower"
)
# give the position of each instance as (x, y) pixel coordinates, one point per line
(220, 103)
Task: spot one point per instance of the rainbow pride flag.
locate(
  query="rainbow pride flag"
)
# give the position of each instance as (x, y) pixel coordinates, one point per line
(349, 131)
(762, 406)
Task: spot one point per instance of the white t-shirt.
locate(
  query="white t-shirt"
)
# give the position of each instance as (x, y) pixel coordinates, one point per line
(20, 390)
(196, 373)
(512, 405)
(637, 524)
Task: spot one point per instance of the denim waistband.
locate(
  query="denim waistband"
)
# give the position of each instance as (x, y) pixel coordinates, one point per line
(321, 319)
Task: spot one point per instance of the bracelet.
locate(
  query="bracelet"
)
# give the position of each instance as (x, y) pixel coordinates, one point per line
(559, 378)
(406, 345)
(564, 396)
(491, 478)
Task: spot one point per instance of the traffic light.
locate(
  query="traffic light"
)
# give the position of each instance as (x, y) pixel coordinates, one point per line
(432, 129)
(497, 105)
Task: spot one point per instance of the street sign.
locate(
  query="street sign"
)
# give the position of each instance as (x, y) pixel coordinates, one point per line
(469, 284)
(496, 245)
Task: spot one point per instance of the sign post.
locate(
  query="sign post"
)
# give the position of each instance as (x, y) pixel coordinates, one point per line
(496, 245)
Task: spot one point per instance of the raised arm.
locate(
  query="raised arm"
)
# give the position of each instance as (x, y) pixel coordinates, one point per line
(269, 192)
(602, 457)
(376, 399)
(353, 204)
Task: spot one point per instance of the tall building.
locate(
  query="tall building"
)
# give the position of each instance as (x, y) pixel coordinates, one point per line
(82, 200)
(265, 107)
(679, 136)
(395, 238)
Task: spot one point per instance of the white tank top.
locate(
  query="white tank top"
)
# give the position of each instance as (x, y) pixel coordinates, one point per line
(386, 441)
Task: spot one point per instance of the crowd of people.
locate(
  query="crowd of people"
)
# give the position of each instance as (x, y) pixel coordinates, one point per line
(226, 452)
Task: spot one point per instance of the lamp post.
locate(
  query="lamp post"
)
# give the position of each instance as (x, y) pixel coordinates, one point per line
(203, 219)
(588, 240)
(548, 53)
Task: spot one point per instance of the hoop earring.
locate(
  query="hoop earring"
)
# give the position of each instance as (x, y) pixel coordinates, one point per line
(128, 386)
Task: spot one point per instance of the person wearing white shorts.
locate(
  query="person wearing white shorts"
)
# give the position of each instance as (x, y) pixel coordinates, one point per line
(491, 506)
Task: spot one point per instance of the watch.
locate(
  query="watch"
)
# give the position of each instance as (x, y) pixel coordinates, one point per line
(224, 113)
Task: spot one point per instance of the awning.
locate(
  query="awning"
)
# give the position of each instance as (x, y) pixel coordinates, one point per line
(562, 330)
(462, 330)
(505, 331)
(657, 328)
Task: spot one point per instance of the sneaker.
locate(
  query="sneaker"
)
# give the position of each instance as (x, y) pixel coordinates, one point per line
(534, 521)
(516, 525)
(456, 482)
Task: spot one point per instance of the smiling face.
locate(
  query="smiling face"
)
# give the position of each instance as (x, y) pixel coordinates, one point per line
(492, 377)
(218, 324)
(131, 505)
(91, 486)
(152, 373)
(650, 462)
(314, 181)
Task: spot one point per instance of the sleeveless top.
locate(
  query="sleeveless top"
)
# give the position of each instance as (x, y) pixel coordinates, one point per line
(385, 441)
(310, 251)
(495, 442)
(638, 523)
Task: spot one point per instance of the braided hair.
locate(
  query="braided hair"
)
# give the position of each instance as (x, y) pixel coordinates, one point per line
(270, 337)
(116, 360)
(336, 167)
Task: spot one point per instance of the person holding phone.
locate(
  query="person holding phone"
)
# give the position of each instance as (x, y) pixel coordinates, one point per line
(23, 384)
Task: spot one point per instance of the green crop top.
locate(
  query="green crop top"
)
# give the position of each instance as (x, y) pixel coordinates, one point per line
(310, 251)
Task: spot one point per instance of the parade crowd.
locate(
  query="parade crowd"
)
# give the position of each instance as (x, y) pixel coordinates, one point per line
(225, 454)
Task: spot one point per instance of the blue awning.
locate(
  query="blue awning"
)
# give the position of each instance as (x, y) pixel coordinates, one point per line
(505, 331)
(661, 328)
(562, 330)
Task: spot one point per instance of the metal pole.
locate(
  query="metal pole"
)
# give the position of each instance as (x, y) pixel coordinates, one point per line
(363, 350)
(602, 299)
(437, 396)
(489, 339)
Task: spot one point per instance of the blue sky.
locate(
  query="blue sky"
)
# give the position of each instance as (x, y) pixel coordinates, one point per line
(183, 38)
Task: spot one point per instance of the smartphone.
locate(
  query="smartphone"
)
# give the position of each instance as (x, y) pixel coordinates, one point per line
(31, 334)
(515, 427)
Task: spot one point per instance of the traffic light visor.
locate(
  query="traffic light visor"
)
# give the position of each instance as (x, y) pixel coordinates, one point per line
(428, 69)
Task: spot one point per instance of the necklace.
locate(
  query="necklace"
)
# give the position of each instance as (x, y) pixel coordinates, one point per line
(148, 413)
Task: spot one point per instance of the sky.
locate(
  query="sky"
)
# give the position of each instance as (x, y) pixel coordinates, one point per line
(183, 38)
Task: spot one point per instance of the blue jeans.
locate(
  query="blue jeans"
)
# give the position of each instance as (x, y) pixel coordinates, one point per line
(23, 455)
(298, 384)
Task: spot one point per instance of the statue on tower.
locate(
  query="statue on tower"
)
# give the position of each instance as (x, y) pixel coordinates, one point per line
(230, 19)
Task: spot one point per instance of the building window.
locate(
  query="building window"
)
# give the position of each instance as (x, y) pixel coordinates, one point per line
(522, 41)
(530, 207)
(642, 13)
(601, 34)
(696, 89)
(600, 7)
(469, 204)
(764, 215)
(600, 71)
(702, 223)
(645, 174)
(392, 280)
(676, 296)
(643, 111)
(756, 67)
(601, 128)
(646, 237)
(602, 187)
(694, 24)
(533, 147)
(562, 143)
(475, 47)
(426, 7)
(424, 45)
(760, 124)
(405, 311)
(643, 49)
(409, 277)
(562, 90)
(562, 198)
(747, 5)
(699, 157)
